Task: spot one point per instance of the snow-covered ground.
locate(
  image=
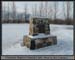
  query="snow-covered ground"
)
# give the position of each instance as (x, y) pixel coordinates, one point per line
(12, 36)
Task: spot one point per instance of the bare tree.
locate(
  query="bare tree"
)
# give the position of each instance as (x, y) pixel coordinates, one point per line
(40, 8)
(68, 18)
(68, 9)
(14, 11)
(71, 11)
(35, 9)
(3, 12)
(8, 13)
(55, 8)
(25, 10)
(64, 10)
(50, 13)
(46, 8)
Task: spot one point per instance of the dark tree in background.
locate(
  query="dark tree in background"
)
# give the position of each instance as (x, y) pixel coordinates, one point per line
(50, 13)
(64, 10)
(33, 14)
(8, 14)
(46, 8)
(35, 9)
(25, 11)
(40, 9)
(14, 12)
(3, 13)
(68, 10)
(55, 11)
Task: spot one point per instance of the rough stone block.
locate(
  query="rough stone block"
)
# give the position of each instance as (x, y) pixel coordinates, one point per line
(35, 42)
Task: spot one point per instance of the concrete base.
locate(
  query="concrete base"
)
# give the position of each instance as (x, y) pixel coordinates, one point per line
(35, 42)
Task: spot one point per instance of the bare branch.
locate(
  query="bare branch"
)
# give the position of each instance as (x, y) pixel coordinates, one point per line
(14, 11)
(46, 12)
(68, 10)
(40, 8)
(55, 8)
(25, 10)
(64, 10)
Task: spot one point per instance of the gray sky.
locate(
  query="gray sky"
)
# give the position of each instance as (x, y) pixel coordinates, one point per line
(20, 6)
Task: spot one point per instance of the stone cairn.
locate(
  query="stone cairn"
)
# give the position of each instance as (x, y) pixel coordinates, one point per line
(39, 34)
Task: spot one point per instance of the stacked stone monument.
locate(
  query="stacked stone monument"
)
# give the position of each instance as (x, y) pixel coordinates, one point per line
(39, 34)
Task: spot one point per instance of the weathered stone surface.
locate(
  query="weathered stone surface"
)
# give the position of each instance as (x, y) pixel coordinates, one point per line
(26, 41)
(34, 43)
(39, 25)
(39, 34)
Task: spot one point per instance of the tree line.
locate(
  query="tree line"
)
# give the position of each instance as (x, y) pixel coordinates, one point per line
(43, 9)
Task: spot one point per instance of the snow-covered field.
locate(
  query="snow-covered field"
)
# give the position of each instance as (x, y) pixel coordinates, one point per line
(12, 36)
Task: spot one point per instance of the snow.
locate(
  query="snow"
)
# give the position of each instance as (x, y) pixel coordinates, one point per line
(13, 33)
(40, 35)
(12, 36)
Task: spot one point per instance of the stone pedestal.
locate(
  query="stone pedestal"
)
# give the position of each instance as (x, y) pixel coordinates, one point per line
(39, 41)
(39, 34)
